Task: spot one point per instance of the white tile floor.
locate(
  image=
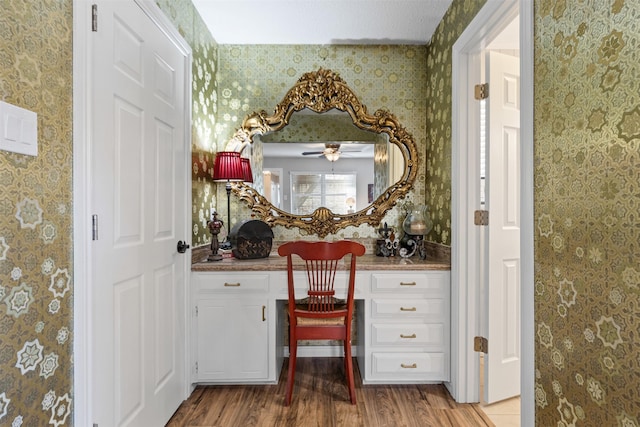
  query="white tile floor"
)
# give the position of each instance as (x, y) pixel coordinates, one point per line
(505, 413)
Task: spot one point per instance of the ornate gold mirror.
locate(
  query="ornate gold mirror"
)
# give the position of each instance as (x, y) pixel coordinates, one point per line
(324, 93)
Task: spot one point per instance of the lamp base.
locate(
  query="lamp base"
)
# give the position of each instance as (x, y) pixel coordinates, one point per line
(214, 257)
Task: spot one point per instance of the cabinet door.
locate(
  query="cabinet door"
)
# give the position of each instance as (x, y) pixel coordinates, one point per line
(232, 339)
(250, 357)
(213, 315)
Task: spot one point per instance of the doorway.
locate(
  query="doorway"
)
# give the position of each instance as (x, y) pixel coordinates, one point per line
(499, 305)
(499, 308)
(467, 265)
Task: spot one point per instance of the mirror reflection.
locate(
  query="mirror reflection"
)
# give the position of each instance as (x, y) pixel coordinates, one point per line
(324, 160)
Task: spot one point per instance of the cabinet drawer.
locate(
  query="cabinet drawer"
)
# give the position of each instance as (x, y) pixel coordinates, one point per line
(428, 283)
(233, 282)
(428, 309)
(427, 336)
(428, 366)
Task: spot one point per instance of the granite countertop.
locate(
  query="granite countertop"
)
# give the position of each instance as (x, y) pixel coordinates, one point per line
(366, 262)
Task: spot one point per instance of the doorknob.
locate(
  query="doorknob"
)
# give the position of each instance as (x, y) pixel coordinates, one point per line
(182, 246)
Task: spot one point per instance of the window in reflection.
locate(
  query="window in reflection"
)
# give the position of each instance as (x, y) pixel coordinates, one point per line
(309, 191)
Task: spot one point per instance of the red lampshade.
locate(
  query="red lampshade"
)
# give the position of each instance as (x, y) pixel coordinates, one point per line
(246, 170)
(227, 166)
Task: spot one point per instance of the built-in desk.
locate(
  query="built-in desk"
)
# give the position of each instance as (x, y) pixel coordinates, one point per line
(402, 320)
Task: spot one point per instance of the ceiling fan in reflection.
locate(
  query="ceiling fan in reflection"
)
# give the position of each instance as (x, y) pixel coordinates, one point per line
(331, 152)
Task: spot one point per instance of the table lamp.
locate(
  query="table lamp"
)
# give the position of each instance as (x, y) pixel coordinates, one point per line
(227, 168)
(247, 174)
(350, 202)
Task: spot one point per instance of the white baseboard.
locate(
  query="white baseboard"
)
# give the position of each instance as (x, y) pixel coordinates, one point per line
(320, 351)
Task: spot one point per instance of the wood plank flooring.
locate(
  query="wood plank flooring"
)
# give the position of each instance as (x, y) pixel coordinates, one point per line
(321, 398)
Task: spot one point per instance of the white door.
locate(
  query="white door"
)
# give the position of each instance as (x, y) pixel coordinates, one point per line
(502, 363)
(138, 190)
(273, 189)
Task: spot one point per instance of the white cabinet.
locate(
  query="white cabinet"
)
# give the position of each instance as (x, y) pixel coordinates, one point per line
(406, 328)
(232, 339)
(233, 324)
(402, 321)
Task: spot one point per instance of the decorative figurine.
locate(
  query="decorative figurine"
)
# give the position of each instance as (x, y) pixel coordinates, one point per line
(388, 244)
(214, 227)
(391, 244)
(380, 243)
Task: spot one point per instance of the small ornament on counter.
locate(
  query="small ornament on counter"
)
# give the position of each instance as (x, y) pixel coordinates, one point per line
(384, 233)
(408, 249)
(226, 253)
(388, 244)
(214, 228)
(391, 245)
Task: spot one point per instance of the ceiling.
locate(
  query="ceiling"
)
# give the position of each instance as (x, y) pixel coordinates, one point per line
(352, 150)
(322, 21)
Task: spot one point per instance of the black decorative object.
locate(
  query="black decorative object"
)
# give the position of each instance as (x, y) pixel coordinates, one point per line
(251, 239)
(388, 245)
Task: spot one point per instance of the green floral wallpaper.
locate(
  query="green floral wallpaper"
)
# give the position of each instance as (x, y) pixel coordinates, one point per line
(256, 77)
(205, 59)
(587, 212)
(587, 187)
(36, 334)
(439, 63)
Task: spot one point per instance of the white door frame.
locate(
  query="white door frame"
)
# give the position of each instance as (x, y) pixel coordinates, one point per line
(465, 244)
(82, 313)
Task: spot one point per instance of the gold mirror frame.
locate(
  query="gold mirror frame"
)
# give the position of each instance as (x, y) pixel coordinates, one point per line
(321, 91)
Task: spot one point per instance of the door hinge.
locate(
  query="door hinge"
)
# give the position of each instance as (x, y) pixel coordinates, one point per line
(94, 227)
(481, 91)
(196, 367)
(481, 344)
(196, 311)
(94, 17)
(481, 217)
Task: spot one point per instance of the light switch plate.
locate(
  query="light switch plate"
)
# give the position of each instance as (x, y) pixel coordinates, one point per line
(18, 130)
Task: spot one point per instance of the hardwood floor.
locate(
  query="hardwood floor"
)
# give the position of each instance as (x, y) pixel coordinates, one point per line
(321, 398)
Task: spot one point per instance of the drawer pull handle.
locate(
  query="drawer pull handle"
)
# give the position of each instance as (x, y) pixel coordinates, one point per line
(407, 283)
(232, 284)
(407, 309)
(412, 366)
(264, 307)
(407, 336)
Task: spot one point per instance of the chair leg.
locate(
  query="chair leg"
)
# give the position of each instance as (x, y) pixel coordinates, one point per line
(349, 371)
(345, 356)
(293, 352)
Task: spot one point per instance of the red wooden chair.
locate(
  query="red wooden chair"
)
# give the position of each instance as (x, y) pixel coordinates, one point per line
(320, 316)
